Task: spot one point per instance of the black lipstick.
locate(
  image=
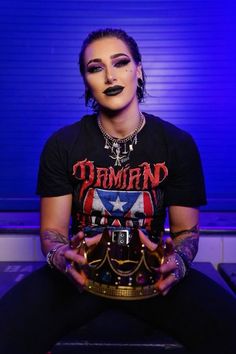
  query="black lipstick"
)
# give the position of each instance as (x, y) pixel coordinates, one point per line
(113, 90)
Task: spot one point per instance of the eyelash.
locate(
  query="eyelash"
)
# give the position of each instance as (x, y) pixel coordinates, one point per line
(119, 64)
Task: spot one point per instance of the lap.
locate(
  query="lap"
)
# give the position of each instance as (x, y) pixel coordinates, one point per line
(197, 312)
(46, 305)
(41, 309)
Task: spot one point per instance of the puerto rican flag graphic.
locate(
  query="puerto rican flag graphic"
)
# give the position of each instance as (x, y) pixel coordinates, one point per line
(119, 204)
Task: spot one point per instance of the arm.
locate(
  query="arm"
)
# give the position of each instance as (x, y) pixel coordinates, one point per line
(54, 230)
(185, 231)
(54, 222)
(181, 248)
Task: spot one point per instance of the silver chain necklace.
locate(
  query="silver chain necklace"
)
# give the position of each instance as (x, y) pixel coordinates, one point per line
(120, 149)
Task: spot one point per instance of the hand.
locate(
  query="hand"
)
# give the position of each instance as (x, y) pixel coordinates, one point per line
(63, 258)
(71, 259)
(171, 270)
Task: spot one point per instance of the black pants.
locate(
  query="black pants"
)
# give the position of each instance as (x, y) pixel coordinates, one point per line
(45, 306)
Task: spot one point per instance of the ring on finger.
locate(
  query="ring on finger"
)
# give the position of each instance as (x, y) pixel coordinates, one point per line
(68, 267)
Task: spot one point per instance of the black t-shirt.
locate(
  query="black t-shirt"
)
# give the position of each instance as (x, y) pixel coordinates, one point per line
(163, 169)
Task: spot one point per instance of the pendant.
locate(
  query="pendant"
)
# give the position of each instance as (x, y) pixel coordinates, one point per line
(106, 146)
(117, 159)
(120, 149)
(115, 145)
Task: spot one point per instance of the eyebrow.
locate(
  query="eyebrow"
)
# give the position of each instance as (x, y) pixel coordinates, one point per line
(98, 60)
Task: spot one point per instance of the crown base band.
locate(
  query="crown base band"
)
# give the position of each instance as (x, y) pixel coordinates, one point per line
(121, 292)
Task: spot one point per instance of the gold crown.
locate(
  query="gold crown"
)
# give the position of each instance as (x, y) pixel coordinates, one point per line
(119, 266)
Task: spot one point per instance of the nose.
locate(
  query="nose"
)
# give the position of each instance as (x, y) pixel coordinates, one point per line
(110, 76)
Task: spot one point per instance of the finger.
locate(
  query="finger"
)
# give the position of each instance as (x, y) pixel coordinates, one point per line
(163, 285)
(80, 234)
(145, 240)
(169, 245)
(168, 265)
(168, 288)
(76, 239)
(79, 276)
(164, 293)
(73, 256)
(93, 240)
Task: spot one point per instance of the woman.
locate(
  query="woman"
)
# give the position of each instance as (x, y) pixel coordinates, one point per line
(116, 172)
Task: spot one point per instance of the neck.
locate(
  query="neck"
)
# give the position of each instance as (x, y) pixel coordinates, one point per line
(120, 124)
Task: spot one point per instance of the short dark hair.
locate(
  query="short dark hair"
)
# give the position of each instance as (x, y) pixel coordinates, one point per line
(134, 50)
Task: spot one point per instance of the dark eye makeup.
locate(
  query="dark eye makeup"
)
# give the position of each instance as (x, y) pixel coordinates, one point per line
(118, 64)
(94, 69)
(122, 62)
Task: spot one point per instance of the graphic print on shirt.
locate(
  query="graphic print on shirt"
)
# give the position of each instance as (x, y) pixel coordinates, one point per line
(119, 197)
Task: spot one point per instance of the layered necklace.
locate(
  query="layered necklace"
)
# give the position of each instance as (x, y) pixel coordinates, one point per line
(120, 149)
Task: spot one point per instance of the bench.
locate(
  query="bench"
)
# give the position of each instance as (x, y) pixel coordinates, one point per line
(228, 273)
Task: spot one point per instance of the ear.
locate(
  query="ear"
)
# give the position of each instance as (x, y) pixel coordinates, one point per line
(139, 71)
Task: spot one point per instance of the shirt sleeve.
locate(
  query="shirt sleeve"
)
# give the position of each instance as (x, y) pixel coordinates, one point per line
(53, 174)
(185, 185)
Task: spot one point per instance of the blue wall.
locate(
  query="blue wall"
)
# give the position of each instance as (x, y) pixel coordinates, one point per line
(189, 57)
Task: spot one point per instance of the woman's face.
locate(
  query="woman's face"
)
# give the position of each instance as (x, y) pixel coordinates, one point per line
(111, 73)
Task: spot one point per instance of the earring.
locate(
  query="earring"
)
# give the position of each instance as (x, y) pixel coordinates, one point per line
(140, 82)
(90, 101)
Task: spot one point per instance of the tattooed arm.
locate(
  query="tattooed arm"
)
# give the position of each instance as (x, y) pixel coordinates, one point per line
(54, 230)
(54, 224)
(184, 231)
(182, 248)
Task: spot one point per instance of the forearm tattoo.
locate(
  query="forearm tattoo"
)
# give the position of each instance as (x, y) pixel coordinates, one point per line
(186, 244)
(193, 230)
(54, 237)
